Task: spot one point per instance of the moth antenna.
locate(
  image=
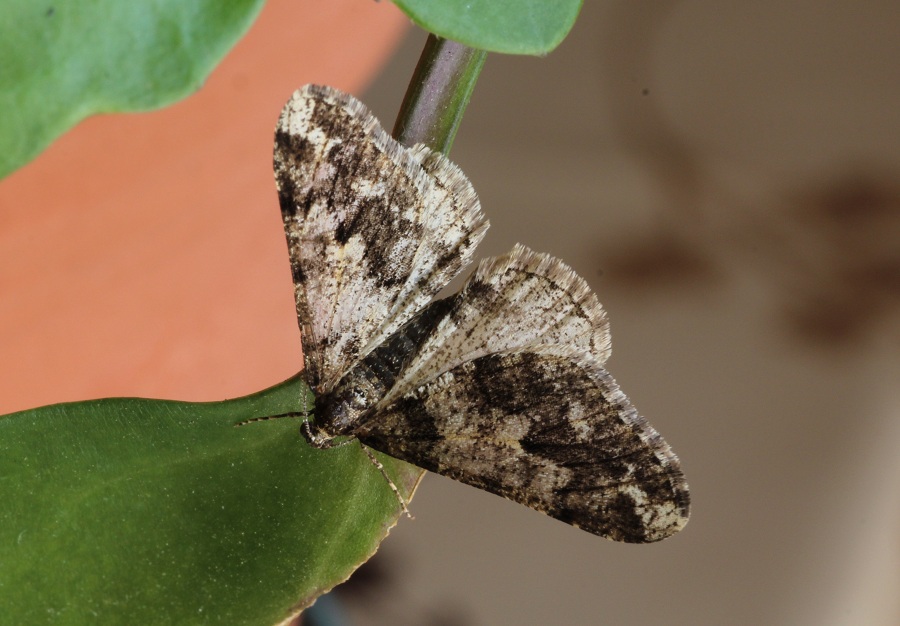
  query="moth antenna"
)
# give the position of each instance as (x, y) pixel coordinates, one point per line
(390, 482)
(271, 417)
(304, 401)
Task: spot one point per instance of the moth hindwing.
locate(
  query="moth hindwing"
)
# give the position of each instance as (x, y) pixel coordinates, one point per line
(501, 386)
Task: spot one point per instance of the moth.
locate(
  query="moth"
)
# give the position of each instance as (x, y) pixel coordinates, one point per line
(501, 386)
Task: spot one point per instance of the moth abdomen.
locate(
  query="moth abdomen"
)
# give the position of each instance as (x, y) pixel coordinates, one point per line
(339, 411)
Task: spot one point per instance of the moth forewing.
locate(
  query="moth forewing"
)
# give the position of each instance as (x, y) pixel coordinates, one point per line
(374, 230)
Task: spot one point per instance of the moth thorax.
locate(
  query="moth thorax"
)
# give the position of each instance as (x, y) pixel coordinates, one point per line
(340, 411)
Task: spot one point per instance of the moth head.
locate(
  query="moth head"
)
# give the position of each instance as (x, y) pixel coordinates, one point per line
(340, 411)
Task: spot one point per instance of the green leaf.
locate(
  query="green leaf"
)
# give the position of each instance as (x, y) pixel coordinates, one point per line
(510, 26)
(158, 512)
(63, 61)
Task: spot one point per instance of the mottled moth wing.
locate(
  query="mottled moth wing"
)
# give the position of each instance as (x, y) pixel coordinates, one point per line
(547, 427)
(374, 230)
(500, 386)
(518, 299)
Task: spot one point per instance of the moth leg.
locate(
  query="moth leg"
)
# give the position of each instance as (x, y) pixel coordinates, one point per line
(323, 442)
(390, 482)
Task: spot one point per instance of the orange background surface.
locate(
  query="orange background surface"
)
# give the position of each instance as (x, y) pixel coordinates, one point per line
(142, 255)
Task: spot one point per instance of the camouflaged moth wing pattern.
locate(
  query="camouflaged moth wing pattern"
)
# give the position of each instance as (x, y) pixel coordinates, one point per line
(547, 427)
(374, 230)
(519, 299)
(501, 386)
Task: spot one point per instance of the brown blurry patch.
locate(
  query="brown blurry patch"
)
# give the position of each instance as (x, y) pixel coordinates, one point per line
(852, 224)
(662, 260)
(829, 253)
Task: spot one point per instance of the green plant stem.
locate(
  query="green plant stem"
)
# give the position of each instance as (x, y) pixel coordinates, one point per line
(438, 94)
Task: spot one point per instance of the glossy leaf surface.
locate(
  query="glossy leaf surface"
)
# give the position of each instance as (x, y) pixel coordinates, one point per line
(510, 26)
(145, 511)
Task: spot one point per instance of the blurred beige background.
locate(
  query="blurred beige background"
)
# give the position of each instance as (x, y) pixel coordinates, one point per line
(726, 178)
